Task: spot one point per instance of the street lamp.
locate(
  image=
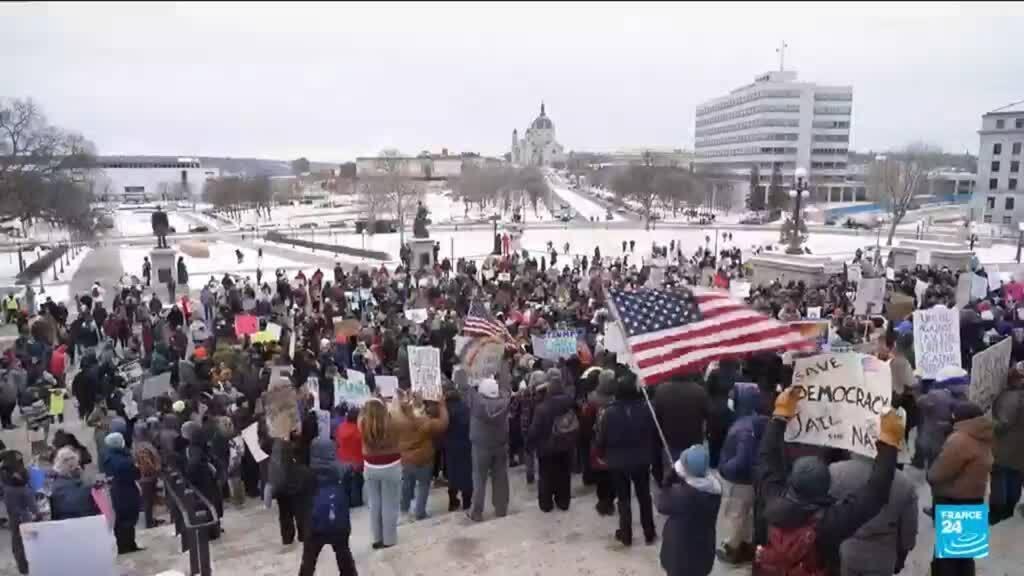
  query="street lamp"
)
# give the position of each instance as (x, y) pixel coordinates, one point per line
(799, 192)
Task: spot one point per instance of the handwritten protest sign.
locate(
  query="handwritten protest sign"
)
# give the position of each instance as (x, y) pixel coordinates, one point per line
(504, 277)
(555, 345)
(76, 546)
(252, 441)
(416, 315)
(353, 392)
(989, 370)
(870, 296)
(386, 385)
(425, 371)
(936, 340)
(481, 357)
(842, 397)
(131, 371)
(246, 324)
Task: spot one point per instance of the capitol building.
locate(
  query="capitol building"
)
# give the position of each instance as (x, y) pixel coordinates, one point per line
(538, 146)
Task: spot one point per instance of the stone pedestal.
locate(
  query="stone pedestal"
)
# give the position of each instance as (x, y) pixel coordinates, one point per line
(786, 268)
(956, 255)
(515, 237)
(955, 260)
(421, 252)
(903, 257)
(163, 265)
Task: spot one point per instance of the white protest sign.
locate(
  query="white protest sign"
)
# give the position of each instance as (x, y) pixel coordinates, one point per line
(355, 376)
(504, 277)
(853, 273)
(979, 287)
(936, 340)
(131, 372)
(154, 386)
(386, 385)
(425, 371)
(995, 280)
(890, 274)
(814, 312)
(870, 296)
(920, 287)
(252, 441)
(842, 397)
(416, 315)
(77, 546)
(739, 289)
(833, 267)
(350, 391)
(555, 345)
(274, 330)
(989, 370)
(963, 290)
(613, 339)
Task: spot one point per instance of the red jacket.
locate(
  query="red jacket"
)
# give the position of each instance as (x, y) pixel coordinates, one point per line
(58, 361)
(350, 444)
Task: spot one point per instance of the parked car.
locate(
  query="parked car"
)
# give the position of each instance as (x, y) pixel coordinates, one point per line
(754, 219)
(307, 225)
(199, 228)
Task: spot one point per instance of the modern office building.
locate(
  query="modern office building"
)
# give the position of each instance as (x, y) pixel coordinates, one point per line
(998, 197)
(777, 124)
(149, 178)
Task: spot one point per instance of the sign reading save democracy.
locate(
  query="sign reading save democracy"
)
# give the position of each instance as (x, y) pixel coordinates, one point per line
(936, 340)
(842, 397)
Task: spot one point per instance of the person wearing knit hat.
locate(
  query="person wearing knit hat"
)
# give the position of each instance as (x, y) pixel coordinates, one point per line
(70, 496)
(199, 353)
(178, 407)
(119, 466)
(114, 440)
(688, 545)
(935, 413)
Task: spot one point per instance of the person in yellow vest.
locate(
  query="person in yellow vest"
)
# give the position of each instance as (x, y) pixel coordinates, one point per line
(10, 308)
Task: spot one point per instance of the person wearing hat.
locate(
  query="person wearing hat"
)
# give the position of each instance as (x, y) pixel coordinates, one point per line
(688, 545)
(119, 466)
(70, 497)
(488, 406)
(935, 413)
(553, 436)
(797, 505)
(1008, 468)
(530, 396)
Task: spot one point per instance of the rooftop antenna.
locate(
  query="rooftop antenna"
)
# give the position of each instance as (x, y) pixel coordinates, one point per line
(781, 51)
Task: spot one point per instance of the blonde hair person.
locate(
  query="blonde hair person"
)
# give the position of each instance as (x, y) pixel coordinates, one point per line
(383, 471)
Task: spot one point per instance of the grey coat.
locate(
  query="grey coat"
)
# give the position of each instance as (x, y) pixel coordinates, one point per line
(1008, 414)
(488, 417)
(880, 545)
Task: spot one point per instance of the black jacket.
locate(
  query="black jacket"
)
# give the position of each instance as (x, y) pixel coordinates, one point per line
(544, 420)
(682, 408)
(839, 520)
(626, 434)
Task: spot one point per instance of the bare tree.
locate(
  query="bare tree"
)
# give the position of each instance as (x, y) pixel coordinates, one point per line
(636, 182)
(896, 179)
(399, 190)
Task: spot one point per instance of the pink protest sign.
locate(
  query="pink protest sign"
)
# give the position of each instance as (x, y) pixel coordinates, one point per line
(246, 324)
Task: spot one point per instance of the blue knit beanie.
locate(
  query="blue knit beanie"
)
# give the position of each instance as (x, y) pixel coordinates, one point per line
(693, 462)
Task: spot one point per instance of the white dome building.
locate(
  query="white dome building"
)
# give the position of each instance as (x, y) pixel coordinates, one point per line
(538, 146)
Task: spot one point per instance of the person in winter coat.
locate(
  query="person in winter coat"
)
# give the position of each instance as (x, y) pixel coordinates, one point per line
(70, 496)
(1008, 467)
(19, 501)
(458, 452)
(182, 272)
(798, 505)
(960, 473)
(416, 436)
(682, 408)
(590, 418)
(326, 510)
(8, 397)
(736, 466)
(552, 439)
(147, 460)
(882, 544)
(383, 471)
(287, 476)
(118, 465)
(935, 410)
(529, 397)
(350, 453)
(488, 407)
(688, 548)
(626, 431)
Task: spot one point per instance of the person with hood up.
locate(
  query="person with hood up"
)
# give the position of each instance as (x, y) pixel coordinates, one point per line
(806, 527)
(19, 501)
(416, 437)
(327, 519)
(529, 397)
(935, 412)
(488, 406)
(591, 417)
(688, 548)
(1008, 467)
(458, 452)
(70, 497)
(736, 466)
(118, 465)
(626, 431)
(553, 435)
(960, 473)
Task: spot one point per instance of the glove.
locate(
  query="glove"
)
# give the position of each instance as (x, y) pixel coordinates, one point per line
(891, 428)
(785, 403)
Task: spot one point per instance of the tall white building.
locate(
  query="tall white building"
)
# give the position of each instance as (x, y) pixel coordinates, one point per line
(149, 178)
(538, 146)
(999, 189)
(778, 124)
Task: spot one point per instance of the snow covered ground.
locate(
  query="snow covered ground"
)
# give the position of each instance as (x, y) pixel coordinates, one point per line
(136, 222)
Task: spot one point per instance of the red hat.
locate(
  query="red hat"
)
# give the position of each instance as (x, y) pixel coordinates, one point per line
(200, 353)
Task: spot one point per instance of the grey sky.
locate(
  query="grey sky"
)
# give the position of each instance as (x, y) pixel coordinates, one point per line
(334, 81)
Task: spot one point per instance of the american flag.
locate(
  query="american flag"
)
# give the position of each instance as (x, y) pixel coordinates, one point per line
(479, 322)
(682, 331)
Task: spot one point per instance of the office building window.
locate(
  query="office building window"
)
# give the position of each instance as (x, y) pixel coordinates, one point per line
(991, 202)
(1007, 220)
(993, 183)
(1009, 202)
(988, 218)
(1018, 123)
(1013, 185)
(1015, 166)
(999, 124)
(1016, 147)
(997, 148)
(995, 165)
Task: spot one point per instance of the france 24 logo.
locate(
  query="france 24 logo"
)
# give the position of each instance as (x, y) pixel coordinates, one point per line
(961, 531)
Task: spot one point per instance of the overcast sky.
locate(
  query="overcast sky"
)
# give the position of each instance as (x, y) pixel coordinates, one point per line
(334, 81)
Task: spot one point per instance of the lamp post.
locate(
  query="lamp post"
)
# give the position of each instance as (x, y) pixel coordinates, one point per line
(798, 192)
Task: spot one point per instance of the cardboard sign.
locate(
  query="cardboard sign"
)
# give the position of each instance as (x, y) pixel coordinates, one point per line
(416, 315)
(870, 296)
(252, 441)
(76, 546)
(246, 324)
(842, 397)
(481, 357)
(963, 290)
(739, 290)
(989, 369)
(386, 385)
(936, 340)
(353, 392)
(425, 371)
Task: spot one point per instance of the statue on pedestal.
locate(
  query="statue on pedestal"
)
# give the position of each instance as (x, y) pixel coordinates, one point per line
(160, 227)
(419, 225)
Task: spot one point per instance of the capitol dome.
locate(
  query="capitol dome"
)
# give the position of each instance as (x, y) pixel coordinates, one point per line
(542, 122)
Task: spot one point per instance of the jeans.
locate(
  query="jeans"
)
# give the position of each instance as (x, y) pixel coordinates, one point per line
(1006, 491)
(342, 553)
(383, 491)
(641, 483)
(554, 482)
(416, 479)
(492, 463)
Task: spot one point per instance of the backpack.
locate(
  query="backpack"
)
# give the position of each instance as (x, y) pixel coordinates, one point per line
(564, 431)
(791, 552)
(330, 509)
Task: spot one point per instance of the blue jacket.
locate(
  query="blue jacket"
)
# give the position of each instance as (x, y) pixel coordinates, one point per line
(688, 539)
(626, 435)
(71, 498)
(124, 493)
(327, 470)
(739, 452)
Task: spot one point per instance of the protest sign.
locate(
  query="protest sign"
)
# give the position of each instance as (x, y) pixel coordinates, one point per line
(814, 330)
(890, 274)
(555, 345)
(833, 267)
(425, 371)
(900, 306)
(353, 392)
(995, 278)
(131, 372)
(155, 386)
(252, 441)
(416, 315)
(920, 287)
(853, 273)
(323, 424)
(274, 330)
(870, 296)
(386, 385)
(355, 376)
(481, 357)
(77, 546)
(936, 340)
(814, 312)
(963, 290)
(989, 370)
(613, 339)
(504, 277)
(246, 324)
(57, 402)
(262, 337)
(280, 405)
(979, 287)
(739, 290)
(313, 388)
(842, 397)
